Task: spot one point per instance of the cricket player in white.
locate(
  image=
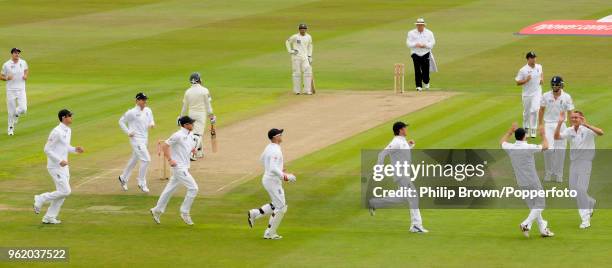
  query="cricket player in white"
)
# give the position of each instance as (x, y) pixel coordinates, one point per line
(523, 162)
(57, 149)
(274, 175)
(581, 136)
(136, 123)
(399, 150)
(531, 78)
(554, 102)
(177, 150)
(15, 73)
(196, 104)
(299, 46)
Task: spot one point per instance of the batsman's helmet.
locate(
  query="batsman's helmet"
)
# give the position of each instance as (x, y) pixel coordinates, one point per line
(556, 81)
(195, 78)
(302, 26)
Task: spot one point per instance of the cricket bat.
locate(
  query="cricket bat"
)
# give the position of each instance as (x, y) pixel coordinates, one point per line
(213, 137)
(314, 91)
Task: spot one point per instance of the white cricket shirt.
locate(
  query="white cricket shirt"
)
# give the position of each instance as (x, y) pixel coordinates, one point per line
(532, 87)
(181, 143)
(272, 160)
(137, 121)
(58, 146)
(17, 70)
(523, 162)
(554, 107)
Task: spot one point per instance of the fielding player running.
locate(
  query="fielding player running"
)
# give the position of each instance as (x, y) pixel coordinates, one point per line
(274, 174)
(554, 102)
(57, 149)
(582, 151)
(399, 150)
(177, 150)
(531, 78)
(522, 157)
(15, 73)
(196, 104)
(136, 123)
(299, 46)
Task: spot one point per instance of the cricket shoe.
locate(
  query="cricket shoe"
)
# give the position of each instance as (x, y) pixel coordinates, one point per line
(547, 233)
(419, 89)
(298, 93)
(547, 177)
(559, 179)
(534, 133)
(309, 93)
(51, 221)
(143, 188)
(10, 131)
(250, 219)
(37, 204)
(418, 229)
(155, 215)
(123, 183)
(585, 224)
(272, 236)
(524, 230)
(426, 86)
(186, 218)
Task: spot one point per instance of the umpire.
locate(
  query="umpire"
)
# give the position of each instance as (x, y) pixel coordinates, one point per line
(420, 41)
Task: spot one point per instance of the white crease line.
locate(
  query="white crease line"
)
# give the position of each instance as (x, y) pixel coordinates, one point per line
(250, 174)
(89, 179)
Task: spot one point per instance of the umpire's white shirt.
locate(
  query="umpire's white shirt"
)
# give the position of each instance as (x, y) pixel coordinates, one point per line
(272, 160)
(582, 142)
(137, 121)
(554, 107)
(181, 144)
(425, 37)
(523, 162)
(532, 87)
(58, 146)
(17, 70)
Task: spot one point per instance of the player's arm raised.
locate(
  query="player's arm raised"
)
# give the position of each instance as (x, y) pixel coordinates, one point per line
(508, 134)
(595, 129)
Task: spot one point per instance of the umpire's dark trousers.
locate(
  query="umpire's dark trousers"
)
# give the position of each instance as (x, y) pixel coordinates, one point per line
(421, 69)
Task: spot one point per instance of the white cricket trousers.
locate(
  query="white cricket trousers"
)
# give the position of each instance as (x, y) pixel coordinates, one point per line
(16, 104)
(531, 105)
(554, 157)
(536, 206)
(274, 187)
(402, 183)
(179, 176)
(580, 174)
(61, 178)
(140, 153)
(299, 66)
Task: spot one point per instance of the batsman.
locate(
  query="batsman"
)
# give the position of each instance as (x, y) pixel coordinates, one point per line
(299, 46)
(196, 104)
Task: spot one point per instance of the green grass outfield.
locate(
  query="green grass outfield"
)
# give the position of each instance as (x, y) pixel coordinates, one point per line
(93, 57)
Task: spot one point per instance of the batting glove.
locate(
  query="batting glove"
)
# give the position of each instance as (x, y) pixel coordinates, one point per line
(290, 177)
(309, 59)
(295, 52)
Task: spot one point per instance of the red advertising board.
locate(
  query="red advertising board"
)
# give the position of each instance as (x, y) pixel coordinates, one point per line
(569, 27)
